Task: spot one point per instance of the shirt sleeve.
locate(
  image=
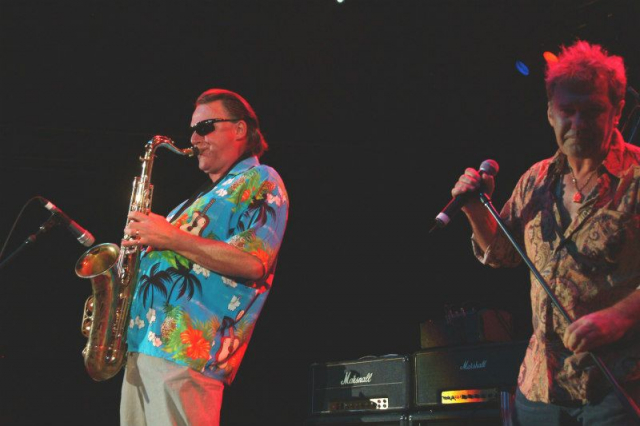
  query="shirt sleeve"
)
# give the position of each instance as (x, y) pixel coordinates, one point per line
(501, 252)
(263, 214)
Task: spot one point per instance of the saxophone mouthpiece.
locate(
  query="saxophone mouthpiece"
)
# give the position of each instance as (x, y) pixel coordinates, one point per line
(194, 151)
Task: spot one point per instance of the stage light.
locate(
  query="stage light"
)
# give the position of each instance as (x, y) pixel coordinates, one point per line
(522, 68)
(550, 57)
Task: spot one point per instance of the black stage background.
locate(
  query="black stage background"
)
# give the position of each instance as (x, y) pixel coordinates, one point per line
(372, 109)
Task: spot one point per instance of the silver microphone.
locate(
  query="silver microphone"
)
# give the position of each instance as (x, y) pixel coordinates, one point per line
(84, 237)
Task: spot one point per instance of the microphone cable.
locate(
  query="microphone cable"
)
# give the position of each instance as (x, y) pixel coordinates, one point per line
(15, 223)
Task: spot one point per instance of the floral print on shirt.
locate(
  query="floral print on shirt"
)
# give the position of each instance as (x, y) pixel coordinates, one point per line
(589, 266)
(183, 312)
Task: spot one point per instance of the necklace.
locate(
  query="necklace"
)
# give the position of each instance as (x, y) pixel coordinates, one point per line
(578, 197)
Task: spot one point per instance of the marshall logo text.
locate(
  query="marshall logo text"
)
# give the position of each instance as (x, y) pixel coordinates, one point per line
(355, 379)
(474, 365)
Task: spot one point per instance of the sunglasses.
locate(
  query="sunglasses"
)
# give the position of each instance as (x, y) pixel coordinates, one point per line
(205, 127)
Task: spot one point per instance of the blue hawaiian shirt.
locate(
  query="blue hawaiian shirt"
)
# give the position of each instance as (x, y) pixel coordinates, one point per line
(195, 317)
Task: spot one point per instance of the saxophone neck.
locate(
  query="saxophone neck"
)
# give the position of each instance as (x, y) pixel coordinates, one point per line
(150, 151)
(163, 141)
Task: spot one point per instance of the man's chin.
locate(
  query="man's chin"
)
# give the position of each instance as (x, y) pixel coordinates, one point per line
(204, 165)
(578, 149)
(208, 169)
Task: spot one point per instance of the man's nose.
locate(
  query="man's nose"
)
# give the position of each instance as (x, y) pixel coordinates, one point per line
(580, 121)
(196, 139)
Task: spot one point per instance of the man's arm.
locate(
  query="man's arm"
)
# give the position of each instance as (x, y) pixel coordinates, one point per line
(484, 226)
(604, 326)
(218, 256)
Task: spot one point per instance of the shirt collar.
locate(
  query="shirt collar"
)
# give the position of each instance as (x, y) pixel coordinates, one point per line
(244, 165)
(614, 161)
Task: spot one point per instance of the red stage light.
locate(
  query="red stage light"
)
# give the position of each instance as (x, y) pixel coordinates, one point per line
(550, 57)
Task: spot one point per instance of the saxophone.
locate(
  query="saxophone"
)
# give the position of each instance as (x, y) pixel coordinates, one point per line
(113, 271)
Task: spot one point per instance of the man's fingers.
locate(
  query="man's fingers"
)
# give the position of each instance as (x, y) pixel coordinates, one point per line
(582, 336)
(136, 216)
(471, 172)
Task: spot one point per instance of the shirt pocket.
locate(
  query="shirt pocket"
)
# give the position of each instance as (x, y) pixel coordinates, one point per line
(610, 238)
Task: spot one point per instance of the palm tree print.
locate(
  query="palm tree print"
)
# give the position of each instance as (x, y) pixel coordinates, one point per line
(185, 280)
(260, 204)
(153, 282)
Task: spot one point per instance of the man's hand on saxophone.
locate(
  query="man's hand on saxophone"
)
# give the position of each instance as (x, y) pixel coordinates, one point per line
(154, 231)
(151, 230)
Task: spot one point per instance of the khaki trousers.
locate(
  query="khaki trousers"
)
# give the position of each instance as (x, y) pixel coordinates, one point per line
(157, 392)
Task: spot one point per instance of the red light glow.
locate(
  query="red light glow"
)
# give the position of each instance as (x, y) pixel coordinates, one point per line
(550, 57)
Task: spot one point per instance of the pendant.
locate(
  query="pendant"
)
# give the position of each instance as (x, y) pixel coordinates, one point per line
(577, 197)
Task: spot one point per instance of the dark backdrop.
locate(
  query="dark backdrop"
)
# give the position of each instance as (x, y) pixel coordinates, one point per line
(372, 109)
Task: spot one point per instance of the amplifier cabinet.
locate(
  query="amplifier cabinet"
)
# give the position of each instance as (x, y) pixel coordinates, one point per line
(368, 384)
(377, 419)
(466, 375)
(470, 328)
(478, 416)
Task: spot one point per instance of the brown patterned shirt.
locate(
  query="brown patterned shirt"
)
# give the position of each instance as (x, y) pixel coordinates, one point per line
(590, 265)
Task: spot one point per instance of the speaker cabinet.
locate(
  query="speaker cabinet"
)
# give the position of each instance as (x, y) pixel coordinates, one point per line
(377, 419)
(478, 416)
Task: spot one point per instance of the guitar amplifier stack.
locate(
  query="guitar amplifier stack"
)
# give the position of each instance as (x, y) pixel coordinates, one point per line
(451, 385)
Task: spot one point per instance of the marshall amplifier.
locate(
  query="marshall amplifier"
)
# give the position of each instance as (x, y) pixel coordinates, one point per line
(466, 374)
(369, 384)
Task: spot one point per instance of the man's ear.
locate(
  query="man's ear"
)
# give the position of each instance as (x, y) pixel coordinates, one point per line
(549, 115)
(241, 129)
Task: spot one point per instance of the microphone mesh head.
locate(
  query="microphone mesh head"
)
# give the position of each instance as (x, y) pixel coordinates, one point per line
(489, 167)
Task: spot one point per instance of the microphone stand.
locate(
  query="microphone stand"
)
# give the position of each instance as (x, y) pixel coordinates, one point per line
(624, 398)
(45, 227)
(630, 136)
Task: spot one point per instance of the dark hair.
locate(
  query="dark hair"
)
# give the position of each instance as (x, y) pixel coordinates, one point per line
(587, 63)
(238, 107)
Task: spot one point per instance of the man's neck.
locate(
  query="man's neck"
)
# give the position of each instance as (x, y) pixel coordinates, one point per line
(216, 177)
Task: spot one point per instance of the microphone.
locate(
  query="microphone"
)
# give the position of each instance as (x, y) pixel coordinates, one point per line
(489, 167)
(84, 237)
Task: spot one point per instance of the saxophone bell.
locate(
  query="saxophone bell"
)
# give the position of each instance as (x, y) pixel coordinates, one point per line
(102, 358)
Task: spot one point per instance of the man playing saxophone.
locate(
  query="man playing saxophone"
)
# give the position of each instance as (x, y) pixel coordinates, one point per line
(205, 274)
